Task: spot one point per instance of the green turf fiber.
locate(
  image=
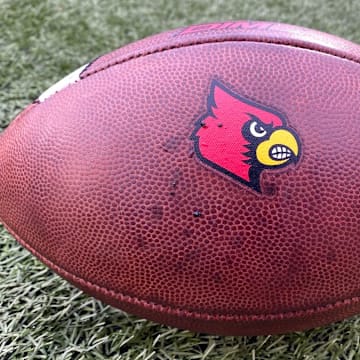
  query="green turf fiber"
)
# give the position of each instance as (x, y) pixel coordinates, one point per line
(42, 316)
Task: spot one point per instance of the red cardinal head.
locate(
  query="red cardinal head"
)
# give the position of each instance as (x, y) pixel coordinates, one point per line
(241, 138)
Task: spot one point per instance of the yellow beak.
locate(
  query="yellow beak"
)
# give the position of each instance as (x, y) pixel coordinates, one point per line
(281, 147)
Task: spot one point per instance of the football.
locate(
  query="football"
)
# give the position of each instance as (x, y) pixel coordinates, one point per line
(206, 178)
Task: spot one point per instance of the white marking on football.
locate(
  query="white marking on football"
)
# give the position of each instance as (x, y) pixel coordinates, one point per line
(62, 84)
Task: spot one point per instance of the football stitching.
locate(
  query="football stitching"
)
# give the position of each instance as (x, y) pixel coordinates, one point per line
(319, 49)
(178, 311)
(82, 75)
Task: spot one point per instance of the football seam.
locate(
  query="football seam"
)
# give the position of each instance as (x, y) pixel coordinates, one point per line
(177, 311)
(320, 49)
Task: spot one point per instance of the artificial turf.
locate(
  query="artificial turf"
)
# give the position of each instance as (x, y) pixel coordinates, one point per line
(42, 316)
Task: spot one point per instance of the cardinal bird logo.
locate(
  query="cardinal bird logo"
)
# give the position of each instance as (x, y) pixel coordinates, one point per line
(241, 138)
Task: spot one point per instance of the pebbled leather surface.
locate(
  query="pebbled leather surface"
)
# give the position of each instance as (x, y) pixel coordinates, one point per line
(100, 183)
(257, 31)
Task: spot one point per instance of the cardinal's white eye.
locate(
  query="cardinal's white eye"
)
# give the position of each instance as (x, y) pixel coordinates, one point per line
(257, 130)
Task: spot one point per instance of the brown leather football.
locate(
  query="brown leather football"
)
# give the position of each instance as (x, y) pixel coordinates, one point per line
(206, 178)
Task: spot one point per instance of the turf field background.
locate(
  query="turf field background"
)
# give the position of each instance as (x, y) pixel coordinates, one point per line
(43, 317)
